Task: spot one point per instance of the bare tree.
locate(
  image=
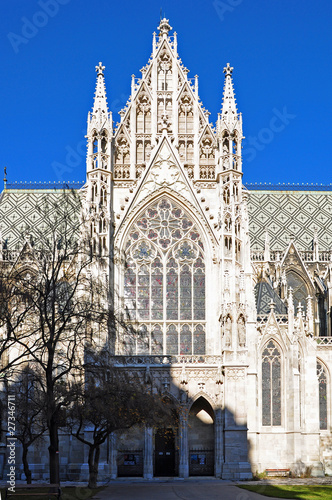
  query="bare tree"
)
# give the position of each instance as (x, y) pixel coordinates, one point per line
(30, 418)
(53, 298)
(110, 399)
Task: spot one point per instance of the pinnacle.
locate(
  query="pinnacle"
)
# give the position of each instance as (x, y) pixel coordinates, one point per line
(229, 111)
(100, 100)
(164, 27)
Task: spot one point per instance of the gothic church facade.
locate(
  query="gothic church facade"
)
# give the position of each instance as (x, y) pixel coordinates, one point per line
(228, 285)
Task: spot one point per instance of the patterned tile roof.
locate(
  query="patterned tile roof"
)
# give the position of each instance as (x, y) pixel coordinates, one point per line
(264, 294)
(282, 212)
(290, 213)
(33, 211)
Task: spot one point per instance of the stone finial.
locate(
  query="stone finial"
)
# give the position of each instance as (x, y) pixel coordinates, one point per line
(228, 70)
(310, 315)
(290, 311)
(299, 310)
(290, 299)
(164, 27)
(154, 42)
(272, 306)
(283, 285)
(5, 177)
(100, 69)
(196, 84)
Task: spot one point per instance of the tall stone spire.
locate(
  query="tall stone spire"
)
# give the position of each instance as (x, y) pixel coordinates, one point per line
(229, 111)
(100, 100)
(100, 108)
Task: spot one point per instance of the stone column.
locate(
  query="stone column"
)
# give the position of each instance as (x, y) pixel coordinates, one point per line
(218, 446)
(148, 453)
(113, 457)
(183, 438)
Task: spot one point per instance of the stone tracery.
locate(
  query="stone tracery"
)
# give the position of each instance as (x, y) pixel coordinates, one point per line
(164, 279)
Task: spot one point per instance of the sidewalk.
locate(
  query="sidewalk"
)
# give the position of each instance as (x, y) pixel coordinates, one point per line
(175, 490)
(192, 488)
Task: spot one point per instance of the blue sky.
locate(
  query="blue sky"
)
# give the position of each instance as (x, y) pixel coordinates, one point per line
(280, 50)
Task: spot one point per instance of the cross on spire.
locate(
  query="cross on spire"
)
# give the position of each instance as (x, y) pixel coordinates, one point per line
(100, 69)
(228, 70)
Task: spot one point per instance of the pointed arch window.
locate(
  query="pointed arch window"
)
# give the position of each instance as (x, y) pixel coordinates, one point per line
(322, 385)
(226, 195)
(164, 279)
(104, 142)
(228, 223)
(94, 151)
(300, 290)
(103, 197)
(271, 385)
(94, 192)
(95, 144)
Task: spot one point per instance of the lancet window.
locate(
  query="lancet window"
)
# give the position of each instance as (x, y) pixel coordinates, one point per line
(186, 116)
(164, 281)
(104, 142)
(122, 158)
(271, 385)
(322, 384)
(207, 158)
(143, 117)
(300, 291)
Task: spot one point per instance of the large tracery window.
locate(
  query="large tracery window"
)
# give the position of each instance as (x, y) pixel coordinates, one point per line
(322, 384)
(271, 385)
(164, 282)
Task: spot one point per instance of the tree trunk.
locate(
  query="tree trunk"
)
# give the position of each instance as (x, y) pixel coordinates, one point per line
(53, 450)
(27, 471)
(93, 460)
(52, 422)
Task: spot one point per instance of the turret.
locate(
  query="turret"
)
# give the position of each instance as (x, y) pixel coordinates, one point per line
(229, 128)
(229, 131)
(236, 280)
(99, 132)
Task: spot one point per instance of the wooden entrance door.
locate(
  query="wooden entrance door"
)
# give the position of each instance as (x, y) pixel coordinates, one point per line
(165, 452)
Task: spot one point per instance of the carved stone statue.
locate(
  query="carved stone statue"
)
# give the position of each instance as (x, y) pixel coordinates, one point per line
(228, 332)
(241, 332)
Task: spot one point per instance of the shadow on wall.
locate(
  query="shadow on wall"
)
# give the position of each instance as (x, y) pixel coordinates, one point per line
(204, 439)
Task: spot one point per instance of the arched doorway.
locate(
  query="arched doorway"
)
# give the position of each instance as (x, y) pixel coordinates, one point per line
(201, 438)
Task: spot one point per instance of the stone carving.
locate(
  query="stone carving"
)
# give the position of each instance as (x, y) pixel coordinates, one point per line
(164, 173)
(241, 331)
(235, 373)
(228, 332)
